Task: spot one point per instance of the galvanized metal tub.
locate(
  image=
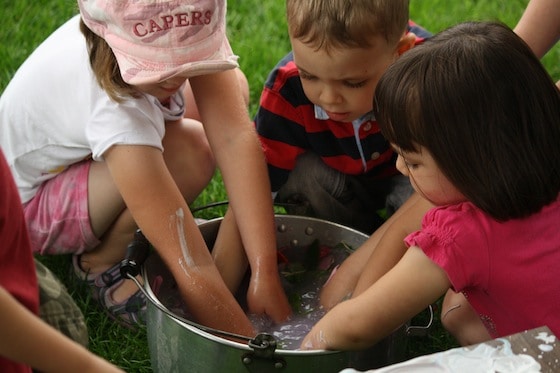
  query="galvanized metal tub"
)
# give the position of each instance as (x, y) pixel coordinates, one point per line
(178, 345)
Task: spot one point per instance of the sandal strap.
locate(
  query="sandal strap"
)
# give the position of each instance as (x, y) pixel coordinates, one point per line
(109, 277)
(129, 313)
(103, 279)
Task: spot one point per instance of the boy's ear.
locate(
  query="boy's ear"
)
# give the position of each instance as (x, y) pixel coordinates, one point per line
(407, 42)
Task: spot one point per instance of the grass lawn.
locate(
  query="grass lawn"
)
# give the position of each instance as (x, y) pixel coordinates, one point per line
(257, 31)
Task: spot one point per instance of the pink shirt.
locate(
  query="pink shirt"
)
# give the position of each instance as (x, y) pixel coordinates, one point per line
(509, 271)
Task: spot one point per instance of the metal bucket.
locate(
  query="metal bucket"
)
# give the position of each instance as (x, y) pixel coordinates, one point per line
(178, 345)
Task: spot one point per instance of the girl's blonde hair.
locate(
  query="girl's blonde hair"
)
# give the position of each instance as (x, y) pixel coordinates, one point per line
(328, 24)
(105, 68)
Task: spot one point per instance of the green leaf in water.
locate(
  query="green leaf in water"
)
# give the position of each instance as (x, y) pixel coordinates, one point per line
(293, 272)
(295, 301)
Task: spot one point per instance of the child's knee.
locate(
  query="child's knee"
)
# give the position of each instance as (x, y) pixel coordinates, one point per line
(188, 156)
(187, 133)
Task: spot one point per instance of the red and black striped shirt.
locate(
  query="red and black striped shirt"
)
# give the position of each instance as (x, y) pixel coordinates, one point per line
(288, 126)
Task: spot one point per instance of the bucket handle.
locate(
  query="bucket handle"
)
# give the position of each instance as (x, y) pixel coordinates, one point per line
(226, 202)
(136, 254)
(252, 342)
(263, 345)
(421, 330)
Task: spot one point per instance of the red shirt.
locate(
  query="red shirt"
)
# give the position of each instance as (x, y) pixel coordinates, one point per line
(17, 269)
(287, 127)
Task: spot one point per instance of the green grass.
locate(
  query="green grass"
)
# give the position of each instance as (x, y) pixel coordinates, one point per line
(258, 35)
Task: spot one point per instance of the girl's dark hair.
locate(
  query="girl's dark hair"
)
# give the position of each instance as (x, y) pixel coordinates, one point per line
(104, 66)
(487, 110)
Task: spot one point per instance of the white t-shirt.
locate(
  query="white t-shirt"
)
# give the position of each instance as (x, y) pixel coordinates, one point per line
(53, 113)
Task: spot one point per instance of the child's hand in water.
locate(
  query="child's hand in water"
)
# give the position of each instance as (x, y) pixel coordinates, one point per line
(337, 330)
(314, 340)
(266, 296)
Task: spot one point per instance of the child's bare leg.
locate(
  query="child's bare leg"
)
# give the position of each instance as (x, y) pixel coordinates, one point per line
(110, 221)
(188, 157)
(112, 250)
(461, 320)
(106, 207)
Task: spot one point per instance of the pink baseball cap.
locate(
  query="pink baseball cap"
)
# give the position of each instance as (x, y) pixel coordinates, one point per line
(154, 40)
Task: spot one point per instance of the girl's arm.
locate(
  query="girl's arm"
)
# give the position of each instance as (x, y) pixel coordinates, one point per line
(413, 284)
(378, 254)
(162, 214)
(239, 155)
(28, 340)
(388, 252)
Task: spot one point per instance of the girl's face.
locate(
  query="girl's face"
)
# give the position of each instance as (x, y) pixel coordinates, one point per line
(162, 90)
(343, 81)
(426, 177)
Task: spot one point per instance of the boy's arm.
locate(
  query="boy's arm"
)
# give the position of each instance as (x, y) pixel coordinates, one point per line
(28, 340)
(239, 155)
(279, 121)
(229, 254)
(394, 299)
(264, 296)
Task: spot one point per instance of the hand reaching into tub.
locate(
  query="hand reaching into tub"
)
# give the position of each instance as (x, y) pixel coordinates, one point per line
(265, 294)
(483, 228)
(382, 250)
(362, 321)
(274, 303)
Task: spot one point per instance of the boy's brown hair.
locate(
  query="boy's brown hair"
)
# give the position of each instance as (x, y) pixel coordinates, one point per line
(328, 24)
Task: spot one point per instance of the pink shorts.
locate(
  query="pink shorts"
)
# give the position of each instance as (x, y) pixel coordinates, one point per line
(57, 216)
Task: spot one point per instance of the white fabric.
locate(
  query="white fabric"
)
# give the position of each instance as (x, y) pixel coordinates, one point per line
(479, 358)
(54, 114)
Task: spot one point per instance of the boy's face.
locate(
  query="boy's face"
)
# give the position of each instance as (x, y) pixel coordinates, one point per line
(343, 81)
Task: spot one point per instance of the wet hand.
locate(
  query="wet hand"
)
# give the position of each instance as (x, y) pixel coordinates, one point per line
(337, 288)
(267, 296)
(314, 340)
